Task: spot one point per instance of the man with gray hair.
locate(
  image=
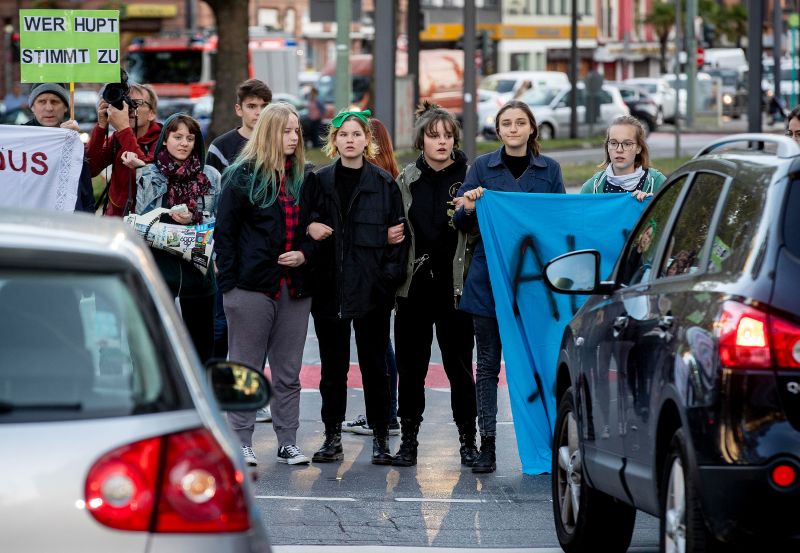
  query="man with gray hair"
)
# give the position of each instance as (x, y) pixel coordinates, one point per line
(137, 131)
(49, 103)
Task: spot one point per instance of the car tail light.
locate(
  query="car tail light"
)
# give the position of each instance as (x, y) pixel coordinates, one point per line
(783, 476)
(785, 338)
(743, 337)
(176, 483)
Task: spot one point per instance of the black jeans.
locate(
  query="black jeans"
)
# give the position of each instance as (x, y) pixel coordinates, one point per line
(198, 315)
(372, 339)
(487, 338)
(426, 306)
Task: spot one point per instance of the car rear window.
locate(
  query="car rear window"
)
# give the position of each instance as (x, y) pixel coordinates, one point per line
(791, 219)
(733, 240)
(78, 346)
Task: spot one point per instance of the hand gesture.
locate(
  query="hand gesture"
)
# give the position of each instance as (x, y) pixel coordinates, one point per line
(641, 195)
(319, 231)
(396, 234)
(181, 218)
(131, 160)
(71, 125)
(291, 259)
(472, 196)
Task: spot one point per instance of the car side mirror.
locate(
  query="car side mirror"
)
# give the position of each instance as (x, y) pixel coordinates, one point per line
(574, 273)
(238, 387)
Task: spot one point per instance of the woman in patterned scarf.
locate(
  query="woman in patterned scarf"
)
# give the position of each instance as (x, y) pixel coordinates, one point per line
(178, 176)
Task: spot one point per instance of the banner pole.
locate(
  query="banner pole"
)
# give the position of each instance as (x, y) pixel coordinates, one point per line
(71, 101)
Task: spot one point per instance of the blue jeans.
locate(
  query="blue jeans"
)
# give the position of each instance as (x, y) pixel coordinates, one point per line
(487, 340)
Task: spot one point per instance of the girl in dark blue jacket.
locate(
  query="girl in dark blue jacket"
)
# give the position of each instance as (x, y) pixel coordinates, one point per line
(515, 167)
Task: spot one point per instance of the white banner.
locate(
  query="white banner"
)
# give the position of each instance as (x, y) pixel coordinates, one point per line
(39, 167)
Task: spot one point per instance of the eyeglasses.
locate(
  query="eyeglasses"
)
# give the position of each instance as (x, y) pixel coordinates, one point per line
(136, 103)
(626, 146)
(795, 134)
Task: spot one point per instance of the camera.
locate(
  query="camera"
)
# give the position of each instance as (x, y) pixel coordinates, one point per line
(116, 94)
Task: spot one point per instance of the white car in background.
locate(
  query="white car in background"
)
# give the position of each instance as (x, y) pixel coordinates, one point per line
(552, 111)
(662, 93)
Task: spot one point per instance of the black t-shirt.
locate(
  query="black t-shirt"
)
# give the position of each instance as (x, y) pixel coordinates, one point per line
(516, 164)
(224, 149)
(346, 181)
(430, 216)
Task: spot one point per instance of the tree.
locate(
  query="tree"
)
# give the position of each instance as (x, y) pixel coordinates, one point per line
(662, 19)
(232, 60)
(735, 23)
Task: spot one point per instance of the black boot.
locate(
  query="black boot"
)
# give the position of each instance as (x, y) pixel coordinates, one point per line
(466, 435)
(486, 460)
(407, 454)
(380, 447)
(331, 449)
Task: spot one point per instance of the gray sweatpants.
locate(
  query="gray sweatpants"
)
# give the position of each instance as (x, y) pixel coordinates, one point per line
(257, 324)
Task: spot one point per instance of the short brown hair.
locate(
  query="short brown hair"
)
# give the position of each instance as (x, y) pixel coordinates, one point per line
(533, 139)
(642, 159)
(191, 124)
(146, 89)
(428, 116)
(253, 88)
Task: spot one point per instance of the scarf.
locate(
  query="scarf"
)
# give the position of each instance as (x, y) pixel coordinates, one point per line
(626, 182)
(186, 182)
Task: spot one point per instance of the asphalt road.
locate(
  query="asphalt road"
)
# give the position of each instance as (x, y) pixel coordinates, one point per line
(435, 504)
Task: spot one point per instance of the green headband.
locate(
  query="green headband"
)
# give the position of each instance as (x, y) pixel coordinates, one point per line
(339, 119)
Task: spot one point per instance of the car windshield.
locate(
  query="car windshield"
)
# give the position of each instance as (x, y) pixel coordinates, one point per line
(649, 88)
(540, 96)
(165, 66)
(326, 87)
(78, 346)
(500, 86)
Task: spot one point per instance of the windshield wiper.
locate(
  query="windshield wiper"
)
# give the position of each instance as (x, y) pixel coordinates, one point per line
(8, 407)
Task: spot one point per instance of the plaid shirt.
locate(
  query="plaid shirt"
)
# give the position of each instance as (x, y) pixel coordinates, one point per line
(291, 217)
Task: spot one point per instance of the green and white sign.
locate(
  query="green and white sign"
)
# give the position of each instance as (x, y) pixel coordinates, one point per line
(69, 46)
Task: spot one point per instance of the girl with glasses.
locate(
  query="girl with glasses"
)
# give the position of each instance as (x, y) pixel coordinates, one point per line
(627, 164)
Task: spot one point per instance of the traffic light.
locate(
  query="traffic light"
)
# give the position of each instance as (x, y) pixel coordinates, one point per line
(700, 57)
(709, 34)
(15, 48)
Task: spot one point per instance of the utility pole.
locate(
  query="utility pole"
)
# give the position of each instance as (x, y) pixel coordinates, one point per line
(755, 16)
(344, 15)
(468, 115)
(677, 62)
(383, 63)
(573, 73)
(190, 15)
(691, 63)
(777, 47)
(413, 19)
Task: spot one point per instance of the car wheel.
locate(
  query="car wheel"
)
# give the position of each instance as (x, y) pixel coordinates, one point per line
(682, 525)
(546, 131)
(586, 519)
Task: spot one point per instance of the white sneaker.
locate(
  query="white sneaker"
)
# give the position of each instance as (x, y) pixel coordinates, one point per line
(356, 425)
(249, 456)
(264, 415)
(291, 454)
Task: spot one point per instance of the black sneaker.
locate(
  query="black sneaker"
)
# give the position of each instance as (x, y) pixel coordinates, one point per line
(291, 454)
(394, 428)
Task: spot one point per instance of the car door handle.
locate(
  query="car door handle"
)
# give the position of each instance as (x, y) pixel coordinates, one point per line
(620, 324)
(666, 322)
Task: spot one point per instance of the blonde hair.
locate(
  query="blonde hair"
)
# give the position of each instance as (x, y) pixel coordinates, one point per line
(330, 150)
(264, 152)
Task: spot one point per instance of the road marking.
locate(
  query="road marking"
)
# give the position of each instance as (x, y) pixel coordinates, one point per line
(445, 500)
(298, 498)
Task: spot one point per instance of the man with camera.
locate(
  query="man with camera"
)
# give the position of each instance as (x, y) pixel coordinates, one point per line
(49, 103)
(131, 110)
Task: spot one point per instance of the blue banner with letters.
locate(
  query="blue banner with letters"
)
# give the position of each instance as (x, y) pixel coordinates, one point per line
(521, 233)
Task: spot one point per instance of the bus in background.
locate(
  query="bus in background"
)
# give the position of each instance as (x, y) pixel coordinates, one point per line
(183, 67)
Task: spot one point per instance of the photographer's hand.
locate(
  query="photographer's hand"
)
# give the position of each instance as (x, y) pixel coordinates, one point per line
(118, 118)
(102, 113)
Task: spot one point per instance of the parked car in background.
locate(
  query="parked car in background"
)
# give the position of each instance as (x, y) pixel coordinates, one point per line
(85, 113)
(641, 105)
(734, 93)
(665, 96)
(678, 380)
(552, 110)
(515, 83)
(97, 364)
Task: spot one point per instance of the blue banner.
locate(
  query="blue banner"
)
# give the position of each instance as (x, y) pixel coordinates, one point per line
(521, 233)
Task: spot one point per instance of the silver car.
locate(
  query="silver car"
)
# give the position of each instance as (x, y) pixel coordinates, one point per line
(112, 439)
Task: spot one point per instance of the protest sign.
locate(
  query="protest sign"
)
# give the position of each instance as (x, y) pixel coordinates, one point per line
(521, 233)
(194, 243)
(39, 167)
(69, 46)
